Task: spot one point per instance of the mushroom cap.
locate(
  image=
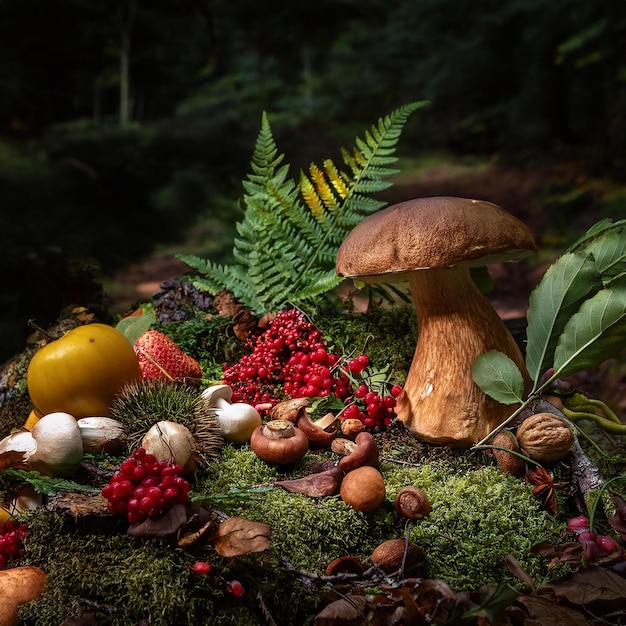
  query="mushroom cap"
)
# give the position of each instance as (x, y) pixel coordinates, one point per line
(435, 232)
(215, 392)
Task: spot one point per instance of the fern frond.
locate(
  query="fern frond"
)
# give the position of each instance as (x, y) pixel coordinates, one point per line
(287, 242)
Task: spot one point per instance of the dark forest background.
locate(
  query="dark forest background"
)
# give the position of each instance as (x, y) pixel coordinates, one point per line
(125, 123)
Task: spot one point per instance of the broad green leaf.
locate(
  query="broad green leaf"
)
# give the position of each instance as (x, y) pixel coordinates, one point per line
(571, 279)
(498, 376)
(134, 326)
(598, 229)
(595, 333)
(609, 253)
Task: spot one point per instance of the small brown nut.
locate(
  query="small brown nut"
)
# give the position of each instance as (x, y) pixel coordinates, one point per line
(507, 462)
(363, 488)
(352, 427)
(545, 437)
(390, 555)
(412, 503)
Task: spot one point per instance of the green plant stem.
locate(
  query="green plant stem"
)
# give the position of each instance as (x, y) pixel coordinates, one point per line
(534, 394)
(518, 454)
(590, 405)
(604, 423)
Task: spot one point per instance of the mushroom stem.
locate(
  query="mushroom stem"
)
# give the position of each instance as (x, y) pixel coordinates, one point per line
(441, 402)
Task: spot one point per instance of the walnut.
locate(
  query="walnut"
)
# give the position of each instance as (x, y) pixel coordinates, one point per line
(545, 437)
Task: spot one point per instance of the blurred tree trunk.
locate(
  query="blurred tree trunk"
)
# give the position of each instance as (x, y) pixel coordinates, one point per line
(125, 45)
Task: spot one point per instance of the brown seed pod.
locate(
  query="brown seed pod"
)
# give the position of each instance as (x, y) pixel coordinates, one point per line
(412, 503)
(317, 485)
(318, 436)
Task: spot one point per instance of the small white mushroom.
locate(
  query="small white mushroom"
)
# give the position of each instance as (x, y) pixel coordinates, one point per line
(102, 434)
(237, 420)
(59, 445)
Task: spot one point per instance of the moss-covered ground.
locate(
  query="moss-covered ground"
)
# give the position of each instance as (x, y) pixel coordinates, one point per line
(479, 515)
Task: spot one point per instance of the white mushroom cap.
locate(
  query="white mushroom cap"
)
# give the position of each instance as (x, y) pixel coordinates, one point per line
(217, 392)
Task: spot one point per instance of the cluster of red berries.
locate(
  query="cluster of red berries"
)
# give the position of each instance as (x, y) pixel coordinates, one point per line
(292, 354)
(12, 535)
(145, 487)
(596, 546)
(256, 377)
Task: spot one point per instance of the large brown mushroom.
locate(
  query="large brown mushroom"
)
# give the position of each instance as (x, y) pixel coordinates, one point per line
(432, 243)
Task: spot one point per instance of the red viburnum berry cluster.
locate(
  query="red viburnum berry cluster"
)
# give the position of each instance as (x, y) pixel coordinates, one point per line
(145, 487)
(292, 355)
(12, 535)
(256, 376)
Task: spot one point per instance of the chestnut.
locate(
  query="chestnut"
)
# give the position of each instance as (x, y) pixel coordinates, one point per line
(279, 442)
(363, 488)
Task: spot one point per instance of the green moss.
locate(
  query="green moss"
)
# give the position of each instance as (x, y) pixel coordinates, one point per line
(479, 515)
(477, 518)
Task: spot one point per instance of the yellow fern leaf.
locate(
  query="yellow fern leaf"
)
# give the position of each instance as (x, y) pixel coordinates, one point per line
(323, 188)
(336, 179)
(310, 197)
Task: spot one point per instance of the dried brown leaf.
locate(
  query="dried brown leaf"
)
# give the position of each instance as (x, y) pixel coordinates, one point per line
(316, 485)
(237, 536)
(589, 585)
(545, 613)
(169, 523)
(12, 459)
(349, 611)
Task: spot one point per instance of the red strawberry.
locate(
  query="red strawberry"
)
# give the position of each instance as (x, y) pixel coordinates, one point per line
(161, 358)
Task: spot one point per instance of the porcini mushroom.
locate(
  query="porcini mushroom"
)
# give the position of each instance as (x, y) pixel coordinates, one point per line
(432, 243)
(236, 420)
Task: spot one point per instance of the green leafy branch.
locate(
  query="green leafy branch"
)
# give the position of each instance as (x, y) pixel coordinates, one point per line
(576, 320)
(290, 233)
(46, 485)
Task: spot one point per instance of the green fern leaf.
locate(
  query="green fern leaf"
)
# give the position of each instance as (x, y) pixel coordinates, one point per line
(287, 242)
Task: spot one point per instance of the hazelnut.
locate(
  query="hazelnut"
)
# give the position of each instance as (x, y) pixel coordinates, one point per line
(507, 462)
(363, 488)
(412, 502)
(390, 555)
(352, 427)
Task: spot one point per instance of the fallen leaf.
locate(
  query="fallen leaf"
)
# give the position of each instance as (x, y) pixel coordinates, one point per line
(347, 611)
(518, 571)
(193, 538)
(12, 459)
(315, 485)
(546, 613)
(589, 585)
(169, 523)
(237, 536)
